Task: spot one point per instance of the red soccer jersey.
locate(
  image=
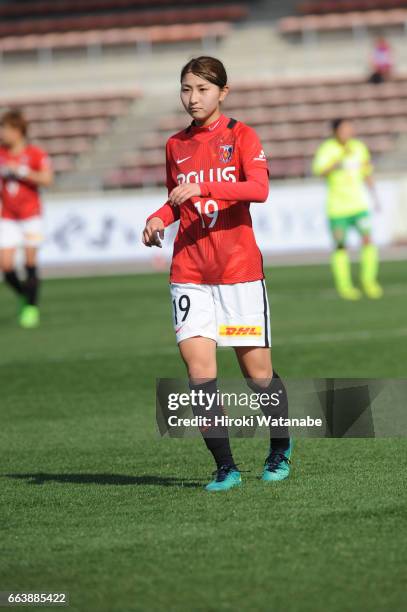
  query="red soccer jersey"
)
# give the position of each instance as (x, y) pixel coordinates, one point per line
(20, 199)
(215, 243)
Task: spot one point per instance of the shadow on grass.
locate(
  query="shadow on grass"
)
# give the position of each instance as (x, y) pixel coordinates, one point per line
(40, 478)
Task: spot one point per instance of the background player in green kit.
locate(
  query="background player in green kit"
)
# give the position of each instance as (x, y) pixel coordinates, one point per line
(345, 162)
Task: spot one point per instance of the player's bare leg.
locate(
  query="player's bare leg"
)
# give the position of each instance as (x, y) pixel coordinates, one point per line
(369, 266)
(30, 316)
(199, 355)
(255, 363)
(30, 256)
(7, 259)
(341, 269)
(256, 366)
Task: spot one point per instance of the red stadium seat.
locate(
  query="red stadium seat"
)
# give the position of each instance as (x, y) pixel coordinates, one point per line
(30, 9)
(292, 116)
(114, 37)
(66, 124)
(145, 18)
(344, 6)
(345, 21)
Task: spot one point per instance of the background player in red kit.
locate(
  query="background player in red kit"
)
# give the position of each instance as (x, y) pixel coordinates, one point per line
(23, 169)
(215, 168)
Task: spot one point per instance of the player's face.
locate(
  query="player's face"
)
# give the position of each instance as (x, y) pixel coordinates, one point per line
(345, 131)
(200, 98)
(9, 135)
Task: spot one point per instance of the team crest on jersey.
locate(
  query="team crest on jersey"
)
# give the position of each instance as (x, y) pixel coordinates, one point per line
(226, 153)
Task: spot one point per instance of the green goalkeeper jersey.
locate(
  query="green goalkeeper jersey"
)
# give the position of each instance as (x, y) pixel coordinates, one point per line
(347, 194)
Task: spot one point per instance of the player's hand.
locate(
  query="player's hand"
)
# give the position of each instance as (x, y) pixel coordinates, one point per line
(6, 171)
(153, 232)
(14, 170)
(339, 163)
(184, 192)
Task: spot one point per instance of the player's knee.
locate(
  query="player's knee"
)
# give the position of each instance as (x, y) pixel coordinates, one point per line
(339, 239)
(6, 270)
(261, 377)
(201, 371)
(200, 366)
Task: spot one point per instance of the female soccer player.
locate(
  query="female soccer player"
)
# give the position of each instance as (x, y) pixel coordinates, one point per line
(345, 163)
(215, 168)
(23, 169)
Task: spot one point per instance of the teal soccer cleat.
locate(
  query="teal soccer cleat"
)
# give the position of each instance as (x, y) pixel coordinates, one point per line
(277, 465)
(226, 478)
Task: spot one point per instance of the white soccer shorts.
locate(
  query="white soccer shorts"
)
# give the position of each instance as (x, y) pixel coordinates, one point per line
(232, 315)
(25, 232)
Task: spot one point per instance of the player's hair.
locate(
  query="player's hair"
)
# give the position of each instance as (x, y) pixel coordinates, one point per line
(15, 118)
(336, 123)
(208, 68)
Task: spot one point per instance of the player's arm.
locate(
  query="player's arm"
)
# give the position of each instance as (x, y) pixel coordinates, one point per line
(368, 170)
(370, 182)
(153, 232)
(323, 163)
(255, 187)
(43, 176)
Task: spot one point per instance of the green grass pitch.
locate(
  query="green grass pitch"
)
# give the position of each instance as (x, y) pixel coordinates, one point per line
(93, 503)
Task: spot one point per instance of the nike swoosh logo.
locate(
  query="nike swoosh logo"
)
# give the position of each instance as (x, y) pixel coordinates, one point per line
(179, 329)
(179, 161)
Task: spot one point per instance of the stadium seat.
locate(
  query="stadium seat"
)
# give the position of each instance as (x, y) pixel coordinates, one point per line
(114, 37)
(137, 18)
(67, 124)
(342, 21)
(291, 116)
(345, 6)
(28, 10)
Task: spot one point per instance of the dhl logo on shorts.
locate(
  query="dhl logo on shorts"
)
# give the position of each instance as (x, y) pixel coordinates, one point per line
(240, 330)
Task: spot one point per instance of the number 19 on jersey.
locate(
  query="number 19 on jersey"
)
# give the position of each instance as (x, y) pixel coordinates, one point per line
(211, 210)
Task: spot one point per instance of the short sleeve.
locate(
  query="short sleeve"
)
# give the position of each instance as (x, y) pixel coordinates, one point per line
(252, 153)
(324, 159)
(41, 160)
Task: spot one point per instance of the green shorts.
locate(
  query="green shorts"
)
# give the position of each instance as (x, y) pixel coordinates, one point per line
(360, 221)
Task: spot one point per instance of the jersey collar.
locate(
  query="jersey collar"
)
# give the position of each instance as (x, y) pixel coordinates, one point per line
(219, 123)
